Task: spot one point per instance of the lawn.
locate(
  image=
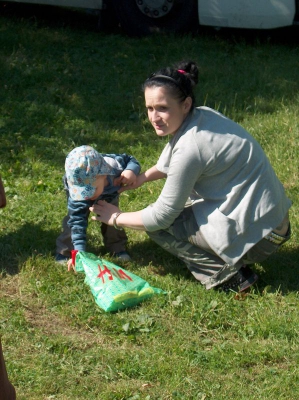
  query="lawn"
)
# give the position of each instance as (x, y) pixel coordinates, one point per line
(64, 84)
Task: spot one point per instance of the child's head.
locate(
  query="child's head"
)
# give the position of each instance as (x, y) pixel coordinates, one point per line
(84, 168)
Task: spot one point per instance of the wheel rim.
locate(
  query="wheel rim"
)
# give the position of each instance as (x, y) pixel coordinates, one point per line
(155, 8)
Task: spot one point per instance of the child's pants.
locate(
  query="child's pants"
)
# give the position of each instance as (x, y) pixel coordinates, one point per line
(114, 240)
(184, 240)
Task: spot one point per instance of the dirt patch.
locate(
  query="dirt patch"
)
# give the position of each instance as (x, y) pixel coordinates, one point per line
(9, 286)
(50, 324)
(43, 319)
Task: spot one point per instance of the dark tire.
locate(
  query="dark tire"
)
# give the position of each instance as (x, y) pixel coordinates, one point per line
(180, 16)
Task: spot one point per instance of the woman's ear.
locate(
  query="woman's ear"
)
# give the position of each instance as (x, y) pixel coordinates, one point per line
(187, 104)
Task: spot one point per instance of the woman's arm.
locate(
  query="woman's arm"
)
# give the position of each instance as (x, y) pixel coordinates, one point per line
(152, 174)
(106, 212)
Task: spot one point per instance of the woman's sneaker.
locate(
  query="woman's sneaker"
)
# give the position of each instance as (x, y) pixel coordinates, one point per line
(240, 282)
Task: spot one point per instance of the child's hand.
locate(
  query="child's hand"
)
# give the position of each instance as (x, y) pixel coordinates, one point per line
(70, 265)
(126, 178)
(139, 181)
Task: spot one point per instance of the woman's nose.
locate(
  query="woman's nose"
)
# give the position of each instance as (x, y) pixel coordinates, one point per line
(155, 116)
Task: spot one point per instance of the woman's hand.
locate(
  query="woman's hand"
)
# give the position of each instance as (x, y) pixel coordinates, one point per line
(104, 212)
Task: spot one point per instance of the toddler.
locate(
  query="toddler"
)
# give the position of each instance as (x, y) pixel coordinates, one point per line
(91, 176)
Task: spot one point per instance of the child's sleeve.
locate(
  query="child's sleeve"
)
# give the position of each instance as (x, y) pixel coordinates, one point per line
(127, 162)
(78, 221)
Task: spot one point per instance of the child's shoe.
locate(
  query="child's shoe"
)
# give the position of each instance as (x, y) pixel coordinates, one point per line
(61, 259)
(122, 255)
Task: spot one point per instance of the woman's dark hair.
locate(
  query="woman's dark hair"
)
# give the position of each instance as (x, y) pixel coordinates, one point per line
(179, 80)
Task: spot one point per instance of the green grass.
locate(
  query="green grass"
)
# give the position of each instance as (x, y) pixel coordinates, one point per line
(63, 85)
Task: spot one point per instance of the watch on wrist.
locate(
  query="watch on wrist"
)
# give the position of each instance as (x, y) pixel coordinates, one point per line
(115, 215)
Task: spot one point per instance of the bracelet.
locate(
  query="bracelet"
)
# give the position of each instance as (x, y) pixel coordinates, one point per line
(115, 215)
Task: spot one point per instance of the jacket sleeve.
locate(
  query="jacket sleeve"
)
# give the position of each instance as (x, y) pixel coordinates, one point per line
(126, 162)
(78, 222)
(185, 169)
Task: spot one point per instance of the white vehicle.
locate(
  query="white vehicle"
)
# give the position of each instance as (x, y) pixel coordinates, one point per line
(142, 17)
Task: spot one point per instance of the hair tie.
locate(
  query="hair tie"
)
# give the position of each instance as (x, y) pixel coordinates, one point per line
(181, 71)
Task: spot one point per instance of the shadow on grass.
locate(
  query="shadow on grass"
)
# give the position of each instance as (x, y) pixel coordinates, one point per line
(28, 241)
(278, 274)
(61, 88)
(148, 254)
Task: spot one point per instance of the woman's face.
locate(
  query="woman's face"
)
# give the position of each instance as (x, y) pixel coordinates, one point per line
(165, 113)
